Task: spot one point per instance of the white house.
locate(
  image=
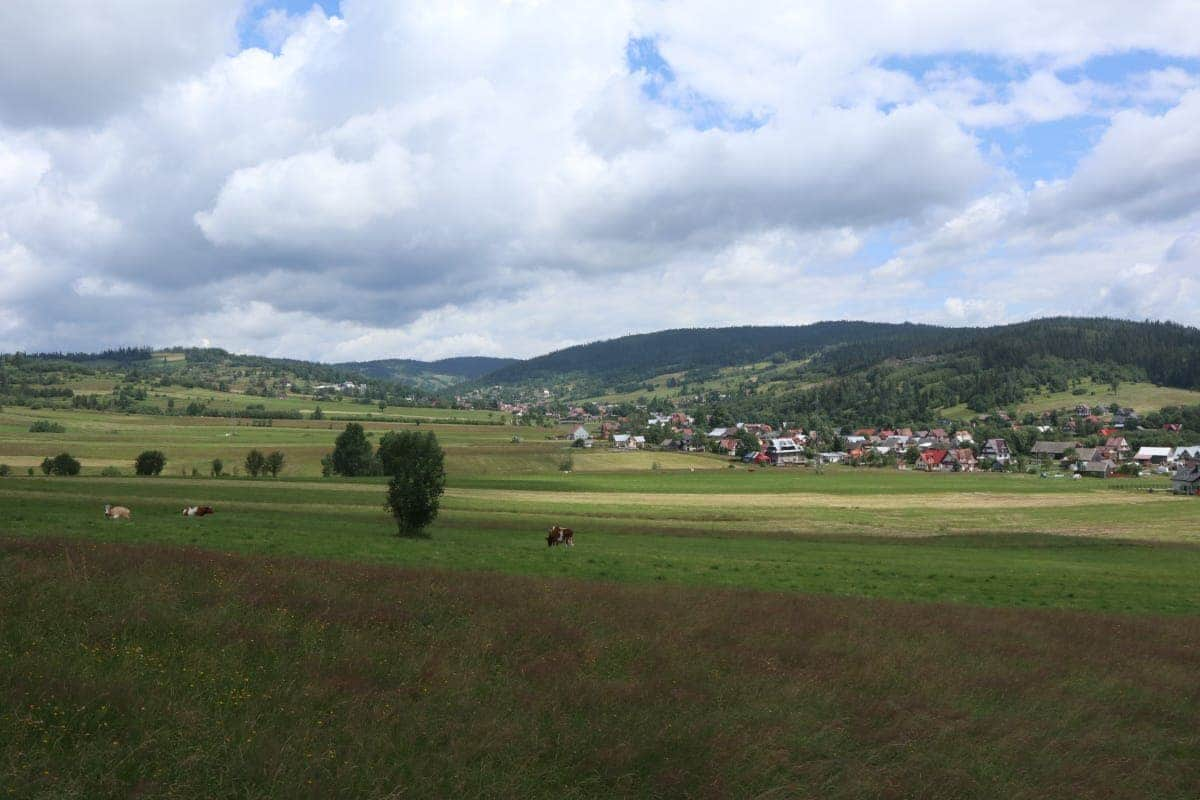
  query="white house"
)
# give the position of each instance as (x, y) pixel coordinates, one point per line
(580, 434)
(625, 441)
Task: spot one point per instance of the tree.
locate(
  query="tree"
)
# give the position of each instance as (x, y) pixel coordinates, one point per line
(274, 463)
(416, 463)
(149, 462)
(61, 464)
(318, 413)
(256, 462)
(352, 452)
(747, 443)
(218, 466)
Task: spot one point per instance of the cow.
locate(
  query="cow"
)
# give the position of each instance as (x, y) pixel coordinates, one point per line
(560, 535)
(117, 512)
(197, 511)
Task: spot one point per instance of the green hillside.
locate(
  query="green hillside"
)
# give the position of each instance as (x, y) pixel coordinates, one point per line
(428, 375)
(871, 373)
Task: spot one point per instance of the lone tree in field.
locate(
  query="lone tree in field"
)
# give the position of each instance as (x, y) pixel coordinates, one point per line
(274, 463)
(61, 464)
(256, 462)
(416, 463)
(218, 466)
(149, 462)
(352, 453)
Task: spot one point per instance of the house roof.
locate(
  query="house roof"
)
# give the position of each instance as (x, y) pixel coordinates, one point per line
(1153, 452)
(1051, 448)
(934, 456)
(1187, 474)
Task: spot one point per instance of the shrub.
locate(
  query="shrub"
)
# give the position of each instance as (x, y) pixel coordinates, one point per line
(218, 466)
(111, 472)
(5, 470)
(149, 462)
(317, 413)
(61, 464)
(46, 426)
(417, 465)
(566, 464)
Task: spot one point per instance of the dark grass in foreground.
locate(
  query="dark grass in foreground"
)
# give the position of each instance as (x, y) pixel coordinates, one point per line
(166, 672)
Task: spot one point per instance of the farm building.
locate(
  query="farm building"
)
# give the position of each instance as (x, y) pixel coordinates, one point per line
(1186, 480)
(1098, 469)
(1153, 455)
(625, 441)
(1053, 450)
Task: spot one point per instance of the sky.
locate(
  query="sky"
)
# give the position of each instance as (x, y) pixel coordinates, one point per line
(374, 178)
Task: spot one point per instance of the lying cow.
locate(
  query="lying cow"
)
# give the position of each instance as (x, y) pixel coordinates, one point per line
(197, 511)
(117, 512)
(560, 535)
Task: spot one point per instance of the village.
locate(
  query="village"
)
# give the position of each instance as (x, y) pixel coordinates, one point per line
(1086, 443)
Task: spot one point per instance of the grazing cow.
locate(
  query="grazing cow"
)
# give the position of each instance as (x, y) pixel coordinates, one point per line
(117, 512)
(560, 535)
(197, 511)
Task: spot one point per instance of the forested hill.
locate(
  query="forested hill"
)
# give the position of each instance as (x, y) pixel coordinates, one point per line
(859, 372)
(647, 354)
(431, 375)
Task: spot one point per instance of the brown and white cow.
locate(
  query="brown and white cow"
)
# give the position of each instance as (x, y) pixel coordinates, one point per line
(560, 535)
(197, 511)
(117, 512)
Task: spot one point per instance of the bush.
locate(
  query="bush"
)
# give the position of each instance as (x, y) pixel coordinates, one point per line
(46, 426)
(218, 466)
(111, 472)
(317, 413)
(61, 464)
(256, 462)
(417, 465)
(5, 470)
(566, 464)
(149, 462)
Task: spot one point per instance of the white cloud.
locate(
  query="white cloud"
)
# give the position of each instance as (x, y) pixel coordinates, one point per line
(432, 179)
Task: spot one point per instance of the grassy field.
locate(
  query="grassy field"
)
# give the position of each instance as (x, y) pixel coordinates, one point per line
(1141, 397)
(716, 632)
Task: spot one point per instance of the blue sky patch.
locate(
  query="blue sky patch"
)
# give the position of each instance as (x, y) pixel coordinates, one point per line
(249, 32)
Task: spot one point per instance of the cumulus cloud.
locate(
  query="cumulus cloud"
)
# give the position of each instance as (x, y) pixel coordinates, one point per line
(435, 179)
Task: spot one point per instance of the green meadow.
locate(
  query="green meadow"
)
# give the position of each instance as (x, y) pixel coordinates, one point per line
(715, 632)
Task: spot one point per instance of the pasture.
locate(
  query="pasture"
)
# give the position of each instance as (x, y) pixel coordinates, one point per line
(716, 632)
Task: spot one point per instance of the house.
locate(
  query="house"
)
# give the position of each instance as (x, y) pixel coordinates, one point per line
(784, 451)
(963, 437)
(1190, 453)
(625, 441)
(1054, 450)
(1186, 480)
(834, 457)
(1098, 469)
(932, 459)
(965, 459)
(580, 434)
(997, 450)
(1173, 427)
(729, 444)
(1118, 444)
(1153, 455)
